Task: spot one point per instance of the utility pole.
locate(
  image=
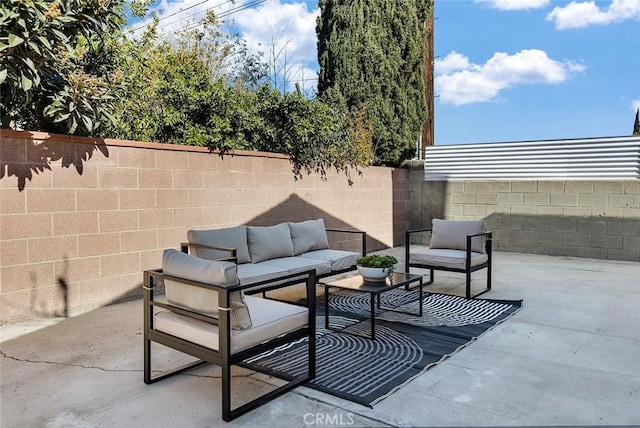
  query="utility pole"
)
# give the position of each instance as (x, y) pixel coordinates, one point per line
(427, 77)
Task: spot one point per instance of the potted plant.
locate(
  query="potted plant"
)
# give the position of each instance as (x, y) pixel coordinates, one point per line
(376, 267)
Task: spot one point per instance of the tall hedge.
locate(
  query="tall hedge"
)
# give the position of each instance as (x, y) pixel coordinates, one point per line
(371, 55)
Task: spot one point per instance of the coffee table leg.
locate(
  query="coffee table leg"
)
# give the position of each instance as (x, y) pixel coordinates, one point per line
(373, 317)
(326, 307)
(420, 301)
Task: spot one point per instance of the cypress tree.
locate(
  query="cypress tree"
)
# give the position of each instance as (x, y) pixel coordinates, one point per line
(636, 125)
(371, 56)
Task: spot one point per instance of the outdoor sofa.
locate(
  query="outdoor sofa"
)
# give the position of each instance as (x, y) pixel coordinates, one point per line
(270, 252)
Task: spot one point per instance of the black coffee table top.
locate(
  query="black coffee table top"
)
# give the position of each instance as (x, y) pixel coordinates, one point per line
(357, 283)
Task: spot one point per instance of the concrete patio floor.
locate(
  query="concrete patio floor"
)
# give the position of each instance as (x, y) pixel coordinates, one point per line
(571, 356)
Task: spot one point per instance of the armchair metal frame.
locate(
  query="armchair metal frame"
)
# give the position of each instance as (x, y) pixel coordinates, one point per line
(468, 269)
(223, 357)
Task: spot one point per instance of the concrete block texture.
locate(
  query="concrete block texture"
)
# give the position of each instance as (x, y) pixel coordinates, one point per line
(578, 218)
(92, 227)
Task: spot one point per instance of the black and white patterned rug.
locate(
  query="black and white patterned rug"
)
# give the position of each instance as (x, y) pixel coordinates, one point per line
(366, 371)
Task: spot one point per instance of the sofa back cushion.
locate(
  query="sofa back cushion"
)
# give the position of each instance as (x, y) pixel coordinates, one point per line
(453, 234)
(230, 237)
(269, 242)
(308, 236)
(198, 299)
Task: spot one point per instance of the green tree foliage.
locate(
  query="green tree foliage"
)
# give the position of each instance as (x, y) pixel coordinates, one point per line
(636, 124)
(315, 134)
(204, 88)
(371, 56)
(56, 63)
(68, 65)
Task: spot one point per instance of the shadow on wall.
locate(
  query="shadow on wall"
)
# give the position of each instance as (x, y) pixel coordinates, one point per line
(23, 158)
(294, 209)
(602, 237)
(45, 303)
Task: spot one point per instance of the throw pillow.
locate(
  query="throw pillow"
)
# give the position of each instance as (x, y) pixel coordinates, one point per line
(308, 236)
(269, 242)
(453, 234)
(230, 237)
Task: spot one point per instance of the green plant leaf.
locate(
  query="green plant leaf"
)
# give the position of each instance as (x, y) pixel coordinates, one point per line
(88, 123)
(73, 125)
(45, 42)
(62, 117)
(25, 82)
(14, 40)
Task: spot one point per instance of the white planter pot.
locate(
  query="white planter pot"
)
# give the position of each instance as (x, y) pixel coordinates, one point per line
(371, 274)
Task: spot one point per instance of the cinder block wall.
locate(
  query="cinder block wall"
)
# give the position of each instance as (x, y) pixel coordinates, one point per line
(580, 218)
(80, 219)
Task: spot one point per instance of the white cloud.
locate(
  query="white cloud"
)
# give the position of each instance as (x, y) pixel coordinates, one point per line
(282, 28)
(452, 62)
(459, 81)
(635, 104)
(582, 14)
(515, 4)
(286, 35)
(284, 32)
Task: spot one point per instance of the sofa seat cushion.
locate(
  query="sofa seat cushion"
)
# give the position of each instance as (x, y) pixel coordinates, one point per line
(301, 264)
(271, 318)
(308, 236)
(454, 259)
(339, 259)
(250, 273)
(451, 234)
(230, 237)
(269, 242)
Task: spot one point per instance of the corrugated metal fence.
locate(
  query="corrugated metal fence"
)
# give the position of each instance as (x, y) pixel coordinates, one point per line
(592, 158)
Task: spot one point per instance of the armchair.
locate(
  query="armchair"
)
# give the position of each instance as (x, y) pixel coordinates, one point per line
(455, 246)
(207, 315)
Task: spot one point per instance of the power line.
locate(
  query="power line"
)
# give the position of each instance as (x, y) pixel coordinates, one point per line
(221, 15)
(162, 18)
(231, 11)
(195, 13)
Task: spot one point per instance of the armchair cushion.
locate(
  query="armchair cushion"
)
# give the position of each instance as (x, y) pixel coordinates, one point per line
(308, 236)
(271, 318)
(452, 259)
(453, 235)
(200, 299)
(269, 242)
(231, 237)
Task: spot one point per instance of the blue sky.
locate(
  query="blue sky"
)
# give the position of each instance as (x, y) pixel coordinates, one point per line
(506, 70)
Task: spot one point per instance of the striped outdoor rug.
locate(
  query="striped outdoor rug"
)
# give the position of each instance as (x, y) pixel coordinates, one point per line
(367, 371)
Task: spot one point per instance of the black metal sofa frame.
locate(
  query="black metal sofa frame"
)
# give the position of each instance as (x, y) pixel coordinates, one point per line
(223, 357)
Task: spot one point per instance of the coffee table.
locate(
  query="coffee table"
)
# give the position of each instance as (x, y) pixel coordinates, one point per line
(375, 289)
